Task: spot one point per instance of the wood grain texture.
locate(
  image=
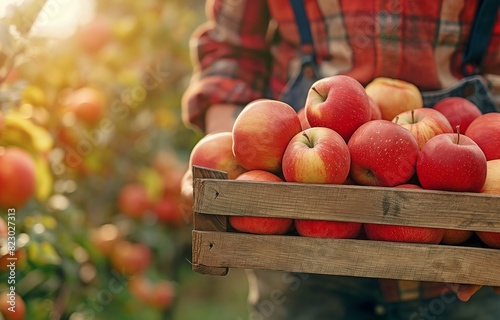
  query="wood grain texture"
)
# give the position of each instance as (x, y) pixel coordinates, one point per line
(439, 209)
(361, 258)
(207, 222)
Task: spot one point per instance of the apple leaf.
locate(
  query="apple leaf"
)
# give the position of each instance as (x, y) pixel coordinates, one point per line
(152, 182)
(44, 179)
(18, 131)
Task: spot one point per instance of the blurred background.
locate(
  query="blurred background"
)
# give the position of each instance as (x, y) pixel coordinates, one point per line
(90, 118)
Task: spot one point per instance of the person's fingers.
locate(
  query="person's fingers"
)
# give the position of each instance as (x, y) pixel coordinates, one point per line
(464, 291)
(187, 196)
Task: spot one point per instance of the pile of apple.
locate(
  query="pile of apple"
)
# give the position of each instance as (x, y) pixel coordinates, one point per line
(378, 135)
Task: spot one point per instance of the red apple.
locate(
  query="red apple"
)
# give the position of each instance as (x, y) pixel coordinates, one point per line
(459, 111)
(423, 123)
(94, 35)
(168, 211)
(4, 231)
(215, 151)
(485, 131)
(386, 232)
(451, 162)
(491, 186)
(158, 294)
(382, 154)
(302, 117)
(319, 155)
(105, 238)
(339, 103)
(492, 183)
(12, 306)
(328, 229)
(316, 155)
(261, 133)
(260, 225)
(394, 96)
(17, 177)
(452, 236)
(403, 233)
(130, 258)
(87, 104)
(375, 113)
(133, 200)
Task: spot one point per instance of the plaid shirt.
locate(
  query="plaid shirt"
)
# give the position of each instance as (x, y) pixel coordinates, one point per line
(249, 48)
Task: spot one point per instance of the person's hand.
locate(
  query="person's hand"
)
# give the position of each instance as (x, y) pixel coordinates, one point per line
(464, 292)
(219, 118)
(187, 195)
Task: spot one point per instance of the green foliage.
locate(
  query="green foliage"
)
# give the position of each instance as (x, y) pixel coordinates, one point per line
(135, 54)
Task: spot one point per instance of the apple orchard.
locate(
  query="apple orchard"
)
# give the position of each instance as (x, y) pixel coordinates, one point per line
(92, 150)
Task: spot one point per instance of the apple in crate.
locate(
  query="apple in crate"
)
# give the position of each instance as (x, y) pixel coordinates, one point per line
(319, 155)
(261, 133)
(316, 155)
(375, 113)
(303, 119)
(451, 162)
(394, 96)
(491, 186)
(339, 103)
(459, 111)
(485, 131)
(386, 232)
(215, 151)
(382, 154)
(423, 123)
(260, 225)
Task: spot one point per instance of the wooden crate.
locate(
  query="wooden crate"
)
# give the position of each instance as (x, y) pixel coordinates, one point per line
(216, 248)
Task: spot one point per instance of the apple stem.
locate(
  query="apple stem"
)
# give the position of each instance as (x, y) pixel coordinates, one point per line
(314, 89)
(396, 120)
(458, 133)
(412, 116)
(309, 142)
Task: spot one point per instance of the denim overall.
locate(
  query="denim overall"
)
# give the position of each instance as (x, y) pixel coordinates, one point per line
(291, 296)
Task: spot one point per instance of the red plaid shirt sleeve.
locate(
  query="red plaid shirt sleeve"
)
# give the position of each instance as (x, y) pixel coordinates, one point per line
(231, 57)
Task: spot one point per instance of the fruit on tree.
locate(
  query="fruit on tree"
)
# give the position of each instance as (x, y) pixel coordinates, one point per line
(17, 177)
(87, 104)
(133, 200)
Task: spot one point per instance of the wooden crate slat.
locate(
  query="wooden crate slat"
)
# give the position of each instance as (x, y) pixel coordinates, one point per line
(208, 222)
(440, 209)
(361, 258)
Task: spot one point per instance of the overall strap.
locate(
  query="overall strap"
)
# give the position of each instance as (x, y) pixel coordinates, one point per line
(302, 21)
(482, 27)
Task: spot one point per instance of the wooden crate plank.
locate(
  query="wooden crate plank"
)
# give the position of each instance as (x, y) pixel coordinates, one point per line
(208, 222)
(360, 258)
(439, 209)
